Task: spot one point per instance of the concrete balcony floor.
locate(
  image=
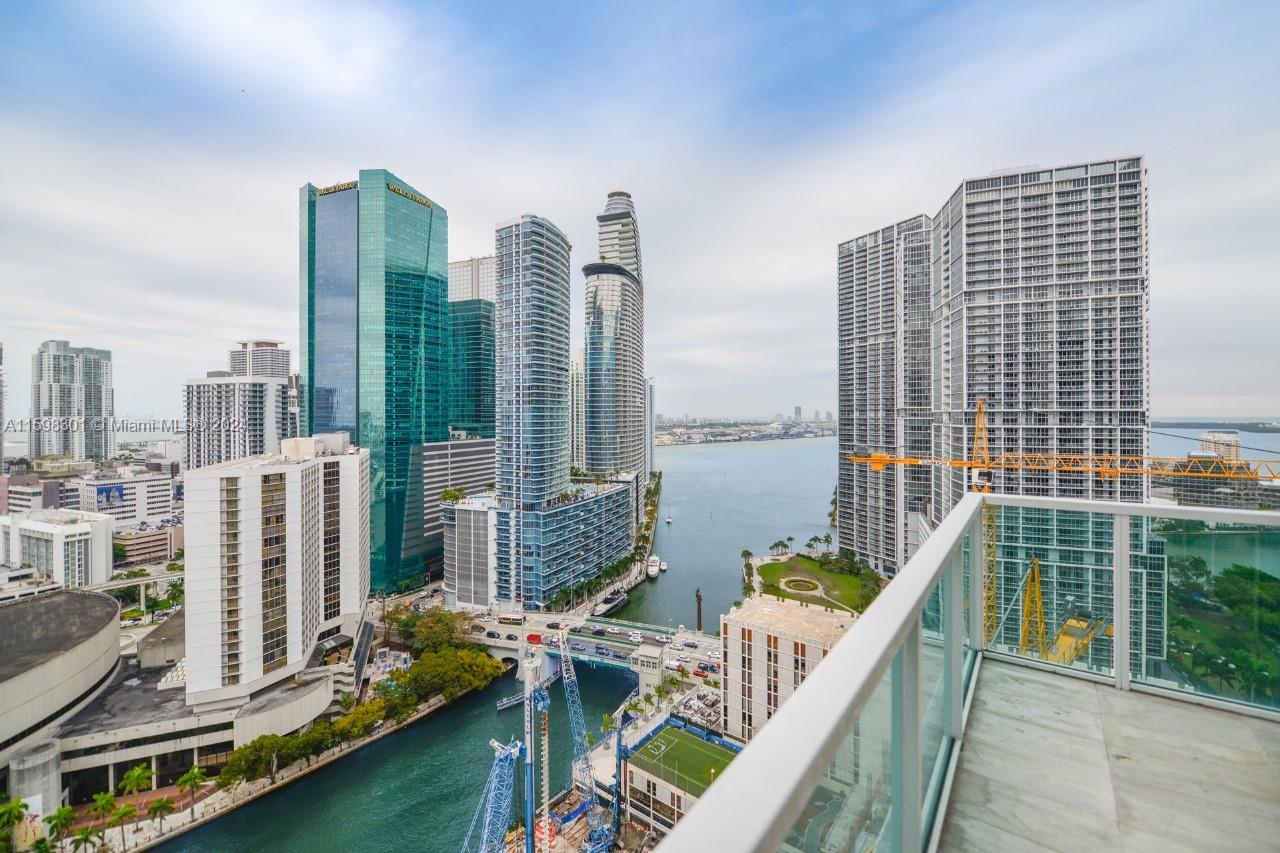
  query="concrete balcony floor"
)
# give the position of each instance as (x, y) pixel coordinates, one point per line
(1052, 762)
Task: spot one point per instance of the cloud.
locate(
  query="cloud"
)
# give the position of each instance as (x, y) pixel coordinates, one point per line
(164, 216)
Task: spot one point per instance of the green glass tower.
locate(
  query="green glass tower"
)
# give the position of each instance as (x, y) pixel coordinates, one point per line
(373, 340)
(471, 367)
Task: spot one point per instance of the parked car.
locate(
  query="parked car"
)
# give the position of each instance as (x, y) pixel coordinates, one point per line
(714, 654)
(682, 658)
(493, 635)
(662, 638)
(699, 672)
(671, 665)
(635, 637)
(690, 644)
(512, 637)
(710, 667)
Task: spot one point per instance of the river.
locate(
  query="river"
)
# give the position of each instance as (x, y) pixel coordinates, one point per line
(415, 790)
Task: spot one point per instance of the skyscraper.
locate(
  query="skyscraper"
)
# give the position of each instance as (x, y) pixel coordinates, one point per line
(374, 343)
(471, 367)
(232, 417)
(72, 386)
(550, 534)
(651, 428)
(798, 416)
(614, 348)
(259, 358)
(474, 278)
(577, 412)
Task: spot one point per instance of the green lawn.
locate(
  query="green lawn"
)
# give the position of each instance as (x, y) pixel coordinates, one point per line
(852, 591)
(684, 759)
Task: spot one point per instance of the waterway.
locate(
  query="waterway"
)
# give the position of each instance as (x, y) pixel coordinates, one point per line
(416, 790)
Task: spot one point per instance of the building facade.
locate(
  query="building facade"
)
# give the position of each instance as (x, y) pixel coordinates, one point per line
(614, 370)
(70, 548)
(471, 367)
(768, 647)
(232, 416)
(374, 340)
(72, 402)
(259, 358)
(466, 465)
(470, 545)
(128, 496)
(550, 533)
(475, 278)
(277, 559)
(577, 413)
(1223, 442)
(651, 428)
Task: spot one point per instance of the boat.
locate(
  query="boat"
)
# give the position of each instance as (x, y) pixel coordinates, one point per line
(668, 519)
(611, 603)
(654, 567)
(663, 565)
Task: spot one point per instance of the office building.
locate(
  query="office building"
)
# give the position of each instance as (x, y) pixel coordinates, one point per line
(73, 402)
(129, 496)
(259, 358)
(768, 647)
(68, 547)
(293, 427)
(1224, 442)
(551, 534)
(27, 492)
(463, 464)
(373, 359)
(471, 368)
(231, 416)
(472, 279)
(651, 427)
(577, 413)
(146, 542)
(798, 416)
(295, 571)
(470, 551)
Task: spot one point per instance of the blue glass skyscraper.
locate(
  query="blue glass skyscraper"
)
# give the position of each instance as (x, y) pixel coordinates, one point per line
(373, 340)
(471, 369)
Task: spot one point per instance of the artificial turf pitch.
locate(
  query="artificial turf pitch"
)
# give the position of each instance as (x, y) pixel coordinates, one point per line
(684, 759)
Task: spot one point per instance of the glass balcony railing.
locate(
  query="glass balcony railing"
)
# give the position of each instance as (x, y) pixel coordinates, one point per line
(860, 758)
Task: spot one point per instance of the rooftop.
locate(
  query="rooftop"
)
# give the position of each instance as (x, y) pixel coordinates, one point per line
(131, 699)
(682, 759)
(1051, 762)
(36, 629)
(61, 517)
(792, 617)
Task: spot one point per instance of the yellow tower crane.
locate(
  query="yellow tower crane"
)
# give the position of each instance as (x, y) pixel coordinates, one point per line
(1106, 466)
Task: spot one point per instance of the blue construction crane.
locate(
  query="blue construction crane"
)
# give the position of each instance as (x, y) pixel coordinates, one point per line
(620, 751)
(495, 805)
(600, 832)
(538, 701)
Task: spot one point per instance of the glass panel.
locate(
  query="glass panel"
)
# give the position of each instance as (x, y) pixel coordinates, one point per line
(1211, 601)
(849, 808)
(934, 701)
(1053, 589)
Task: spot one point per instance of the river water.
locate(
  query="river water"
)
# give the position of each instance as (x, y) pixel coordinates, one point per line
(416, 790)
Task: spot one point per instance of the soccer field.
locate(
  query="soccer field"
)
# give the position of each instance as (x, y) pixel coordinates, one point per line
(683, 759)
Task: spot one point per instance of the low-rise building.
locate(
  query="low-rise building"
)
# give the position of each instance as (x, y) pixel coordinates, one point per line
(768, 647)
(68, 547)
(149, 543)
(127, 495)
(25, 492)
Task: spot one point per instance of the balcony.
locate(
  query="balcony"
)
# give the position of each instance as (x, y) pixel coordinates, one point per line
(916, 733)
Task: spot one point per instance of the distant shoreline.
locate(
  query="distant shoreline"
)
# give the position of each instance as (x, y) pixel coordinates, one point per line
(1239, 426)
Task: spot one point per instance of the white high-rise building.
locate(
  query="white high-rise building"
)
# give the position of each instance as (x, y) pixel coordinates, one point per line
(235, 416)
(768, 647)
(1223, 442)
(650, 428)
(259, 358)
(614, 346)
(577, 412)
(68, 547)
(277, 559)
(72, 402)
(475, 278)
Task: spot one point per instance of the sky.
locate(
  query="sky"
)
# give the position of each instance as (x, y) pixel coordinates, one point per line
(152, 154)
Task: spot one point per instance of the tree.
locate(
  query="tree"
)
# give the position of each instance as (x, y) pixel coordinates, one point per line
(662, 690)
(790, 540)
(120, 817)
(648, 699)
(635, 708)
(159, 809)
(607, 725)
(452, 496)
(86, 837)
(812, 542)
(746, 555)
(136, 778)
(12, 811)
(42, 845)
(59, 821)
(347, 701)
(103, 805)
(117, 553)
(175, 592)
(826, 540)
(191, 781)
(361, 720)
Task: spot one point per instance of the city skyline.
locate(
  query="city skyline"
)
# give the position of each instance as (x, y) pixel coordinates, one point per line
(173, 289)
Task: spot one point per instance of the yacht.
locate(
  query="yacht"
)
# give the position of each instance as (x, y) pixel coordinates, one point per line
(654, 566)
(663, 565)
(668, 519)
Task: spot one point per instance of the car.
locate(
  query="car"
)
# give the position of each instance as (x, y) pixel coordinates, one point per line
(699, 672)
(662, 638)
(635, 637)
(553, 626)
(493, 635)
(710, 667)
(599, 632)
(577, 647)
(613, 630)
(682, 658)
(575, 629)
(512, 637)
(690, 644)
(551, 643)
(713, 654)
(602, 650)
(620, 655)
(671, 665)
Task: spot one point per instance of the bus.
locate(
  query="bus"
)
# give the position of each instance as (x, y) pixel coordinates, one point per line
(510, 618)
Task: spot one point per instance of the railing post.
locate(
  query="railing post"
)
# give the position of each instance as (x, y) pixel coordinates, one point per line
(953, 644)
(906, 742)
(977, 567)
(1121, 596)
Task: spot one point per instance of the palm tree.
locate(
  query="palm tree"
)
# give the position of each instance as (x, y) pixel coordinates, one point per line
(103, 805)
(635, 708)
(790, 540)
(191, 781)
(59, 821)
(160, 809)
(11, 814)
(120, 817)
(86, 837)
(746, 555)
(136, 778)
(607, 725)
(662, 690)
(826, 540)
(42, 845)
(648, 699)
